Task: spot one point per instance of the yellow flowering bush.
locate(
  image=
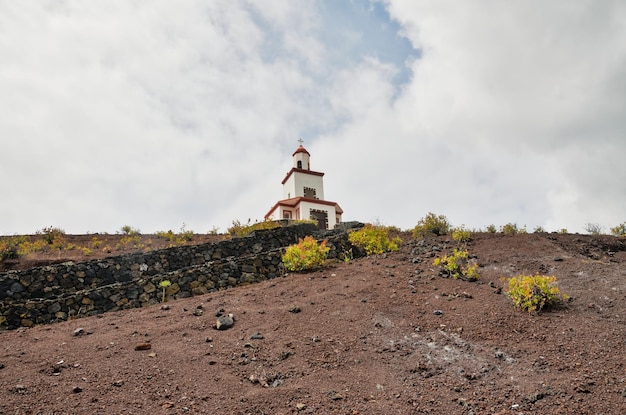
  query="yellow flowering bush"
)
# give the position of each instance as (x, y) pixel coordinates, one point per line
(458, 265)
(461, 234)
(307, 254)
(534, 292)
(374, 239)
(431, 224)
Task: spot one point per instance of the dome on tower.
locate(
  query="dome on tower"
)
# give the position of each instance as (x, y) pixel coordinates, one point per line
(301, 149)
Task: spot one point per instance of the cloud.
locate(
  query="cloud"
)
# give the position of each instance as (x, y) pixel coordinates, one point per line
(518, 91)
(150, 115)
(160, 108)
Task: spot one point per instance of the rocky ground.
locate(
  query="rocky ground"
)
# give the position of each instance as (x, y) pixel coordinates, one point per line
(380, 335)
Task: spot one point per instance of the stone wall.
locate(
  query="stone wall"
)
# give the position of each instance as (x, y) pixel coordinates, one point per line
(58, 292)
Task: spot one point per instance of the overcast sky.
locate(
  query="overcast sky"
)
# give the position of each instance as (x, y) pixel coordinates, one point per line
(154, 114)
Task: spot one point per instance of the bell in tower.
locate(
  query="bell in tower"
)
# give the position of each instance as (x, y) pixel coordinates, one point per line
(301, 158)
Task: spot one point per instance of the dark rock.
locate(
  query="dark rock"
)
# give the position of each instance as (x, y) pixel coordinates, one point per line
(53, 308)
(143, 346)
(16, 287)
(438, 312)
(257, 336)
(77, 389)
(224, 322)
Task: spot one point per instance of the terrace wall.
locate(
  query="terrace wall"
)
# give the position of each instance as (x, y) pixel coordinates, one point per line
(71, 290)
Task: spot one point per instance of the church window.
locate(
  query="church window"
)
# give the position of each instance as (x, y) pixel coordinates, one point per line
(310, 193)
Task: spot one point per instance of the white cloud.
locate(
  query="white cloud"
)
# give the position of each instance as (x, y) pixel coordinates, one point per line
(156, 114)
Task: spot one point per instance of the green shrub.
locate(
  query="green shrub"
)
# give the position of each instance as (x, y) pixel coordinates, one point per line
(239, 230)
(458, 265)
(8, 250)
(512, 229)
(307, 254)
(563, 231)
(164, 284)
(431, 224)
(534, 292)
(176, 238)
(129, 230)
(538, 229)
(461, 234)
(491, 229)
(52, 235)
(168, 236)
(374, 239)
(619, 230)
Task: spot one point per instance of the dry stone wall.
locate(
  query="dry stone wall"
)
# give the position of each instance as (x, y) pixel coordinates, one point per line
(63, 291)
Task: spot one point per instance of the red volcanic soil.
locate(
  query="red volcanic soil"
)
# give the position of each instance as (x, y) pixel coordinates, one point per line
(379, 335)
(98, 246)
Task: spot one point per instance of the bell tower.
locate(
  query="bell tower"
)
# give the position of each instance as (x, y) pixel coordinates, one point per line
(303, 194)
(301, 158)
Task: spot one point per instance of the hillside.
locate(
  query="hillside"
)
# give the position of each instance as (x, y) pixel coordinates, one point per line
(379, 335)
(86, 247)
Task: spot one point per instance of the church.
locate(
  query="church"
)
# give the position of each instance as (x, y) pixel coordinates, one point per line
(303, 195)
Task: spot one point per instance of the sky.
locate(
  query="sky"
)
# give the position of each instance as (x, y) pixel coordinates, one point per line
(161, 114)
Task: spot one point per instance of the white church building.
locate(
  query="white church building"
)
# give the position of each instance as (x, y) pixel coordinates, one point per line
(303, 195)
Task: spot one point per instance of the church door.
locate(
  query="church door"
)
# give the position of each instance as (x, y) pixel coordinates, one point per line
(321, 217)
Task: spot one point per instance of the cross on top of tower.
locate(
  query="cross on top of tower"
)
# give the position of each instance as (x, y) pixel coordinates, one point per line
(301, 141)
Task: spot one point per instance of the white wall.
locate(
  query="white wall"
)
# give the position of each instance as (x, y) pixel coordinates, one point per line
(294, 186)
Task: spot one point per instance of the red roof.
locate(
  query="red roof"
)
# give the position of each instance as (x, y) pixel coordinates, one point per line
(295, 169)
(295, 201)
(301, 150)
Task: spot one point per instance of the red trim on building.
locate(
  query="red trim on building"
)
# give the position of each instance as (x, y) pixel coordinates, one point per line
(295, 201)
(295, 169)
(300, 149)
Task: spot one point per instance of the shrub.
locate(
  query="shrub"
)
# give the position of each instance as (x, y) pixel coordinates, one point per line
(129, 230)
(185, 235)
(593, 228)
(510, 229)
(164, 284)
(130, 240)
(538, 229)
(431, 224)
(374, 239)
(458, 265)
(534, 292)
(491, 228)
(8, 250)
(168, 236)
(563, 231)
(176, 238)
(307, 254)
(619, 230)
(240, 230)
(52, 235)
(461, 234)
